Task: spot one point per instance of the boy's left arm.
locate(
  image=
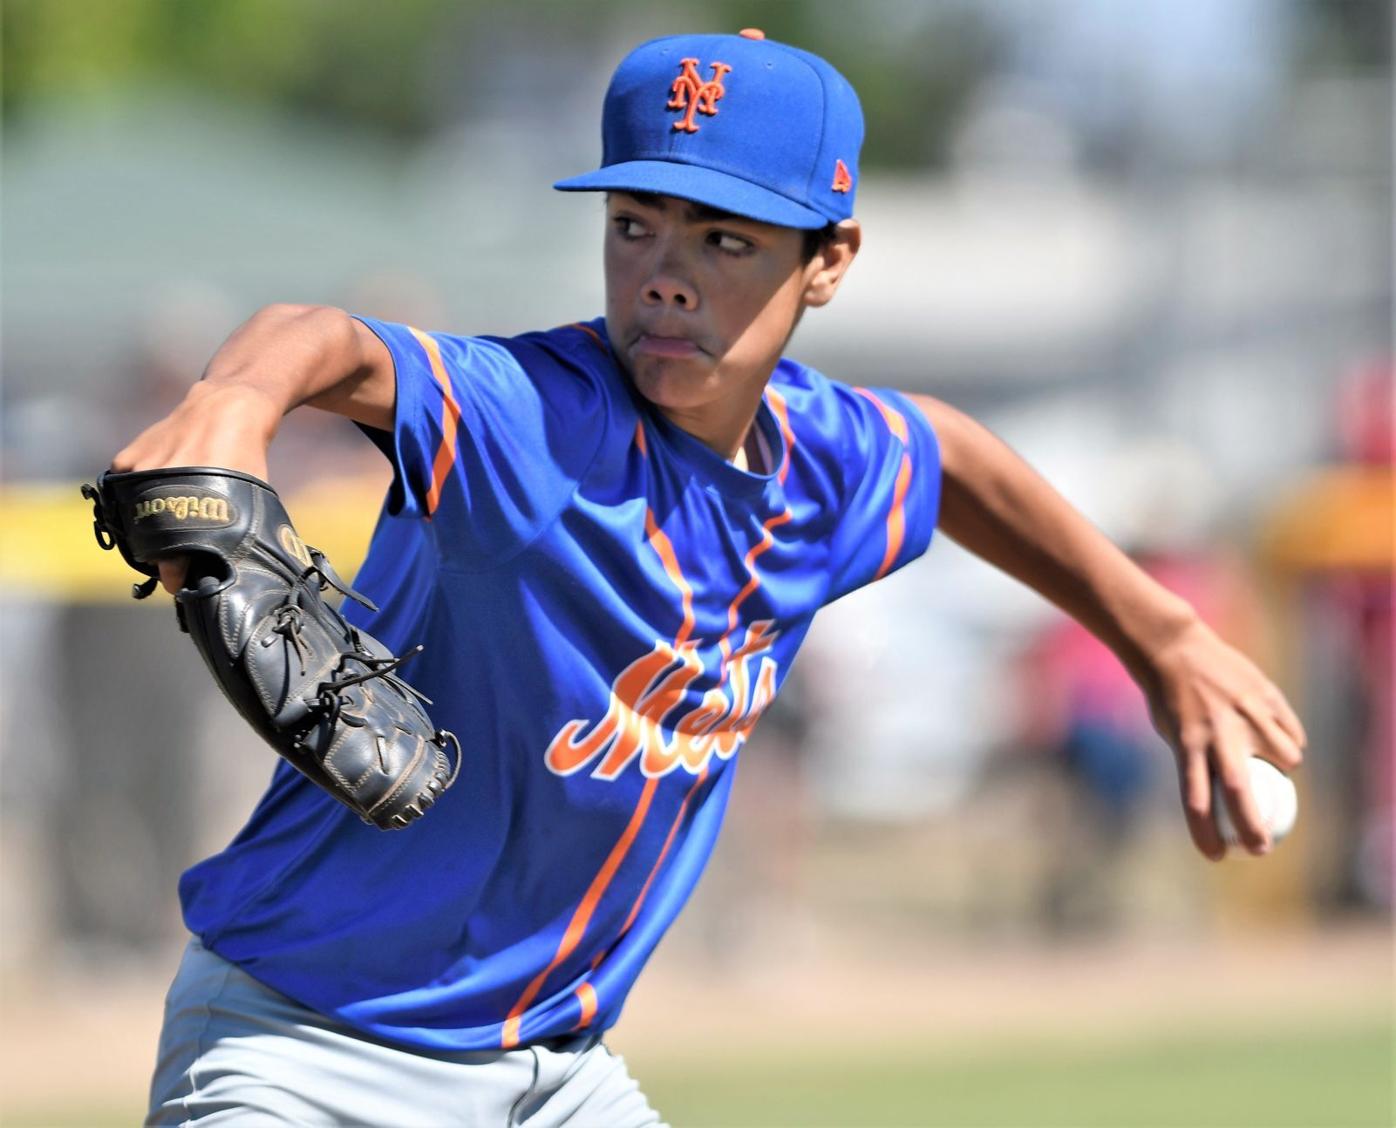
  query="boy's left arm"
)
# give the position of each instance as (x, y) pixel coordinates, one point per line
(1210, 702)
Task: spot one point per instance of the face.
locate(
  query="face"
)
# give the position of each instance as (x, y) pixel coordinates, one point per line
(700, 305)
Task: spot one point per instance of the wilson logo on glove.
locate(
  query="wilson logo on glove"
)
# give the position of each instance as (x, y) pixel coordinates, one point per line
(190, 507)
(294, 546)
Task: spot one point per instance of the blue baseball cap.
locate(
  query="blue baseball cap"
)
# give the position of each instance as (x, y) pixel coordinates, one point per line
(736, 122)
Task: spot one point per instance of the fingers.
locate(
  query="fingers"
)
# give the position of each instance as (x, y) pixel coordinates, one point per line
(1272, 706)
(1275, 742)
(215, 426)
(136, 456)
(1233, 746)
(1218, 711)
(172, 572)
(1213, 769)
(1195, 782)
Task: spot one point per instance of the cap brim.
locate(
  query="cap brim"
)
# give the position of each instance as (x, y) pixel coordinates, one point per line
(701, 185)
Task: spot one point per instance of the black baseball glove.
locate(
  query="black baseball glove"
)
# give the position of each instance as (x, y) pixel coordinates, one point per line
(321, 692)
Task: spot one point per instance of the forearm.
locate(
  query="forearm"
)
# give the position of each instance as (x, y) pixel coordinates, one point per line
(999, 508)
(1211, 704)
(292, 355)
(282, 357)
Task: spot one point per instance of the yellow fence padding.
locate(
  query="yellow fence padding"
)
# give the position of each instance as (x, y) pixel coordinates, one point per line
(48, 550)
(1338, 518)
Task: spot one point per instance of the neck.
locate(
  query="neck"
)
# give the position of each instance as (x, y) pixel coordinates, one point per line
(724, 430)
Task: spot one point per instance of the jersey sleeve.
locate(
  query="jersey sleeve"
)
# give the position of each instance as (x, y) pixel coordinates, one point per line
(891, 464)
(489, 440)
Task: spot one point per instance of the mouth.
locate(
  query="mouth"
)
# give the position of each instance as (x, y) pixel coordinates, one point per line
(656, 344)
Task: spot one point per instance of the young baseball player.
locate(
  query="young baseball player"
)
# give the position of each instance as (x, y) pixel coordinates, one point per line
(611, 538)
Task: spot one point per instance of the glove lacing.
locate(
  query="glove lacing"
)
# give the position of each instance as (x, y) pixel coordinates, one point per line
(289, 620)
(288, 625)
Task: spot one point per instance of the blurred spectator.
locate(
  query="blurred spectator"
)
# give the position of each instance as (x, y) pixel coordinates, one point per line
(1367, 415)
(1083, 712)
(1332, 537)
(1360, 599)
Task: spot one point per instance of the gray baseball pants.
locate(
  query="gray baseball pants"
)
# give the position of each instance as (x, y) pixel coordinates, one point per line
(235, 1052)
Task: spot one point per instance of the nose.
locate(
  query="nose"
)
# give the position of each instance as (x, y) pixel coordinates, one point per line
(669, 285)
(665, 290)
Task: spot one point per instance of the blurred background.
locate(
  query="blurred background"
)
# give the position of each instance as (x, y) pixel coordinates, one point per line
(1149, 242)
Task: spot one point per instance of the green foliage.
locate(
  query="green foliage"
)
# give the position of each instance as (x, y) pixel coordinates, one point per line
(341, 58)
(914, 64)
(402, 67)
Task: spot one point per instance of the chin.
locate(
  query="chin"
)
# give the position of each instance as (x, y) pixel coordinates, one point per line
(674, 385)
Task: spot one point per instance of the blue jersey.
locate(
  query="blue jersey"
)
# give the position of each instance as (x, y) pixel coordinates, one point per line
(607, 606)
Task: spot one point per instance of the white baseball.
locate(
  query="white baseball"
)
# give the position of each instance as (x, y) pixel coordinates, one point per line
(1275, 799)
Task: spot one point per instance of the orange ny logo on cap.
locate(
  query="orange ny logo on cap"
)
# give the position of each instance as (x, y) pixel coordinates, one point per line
(692, 95)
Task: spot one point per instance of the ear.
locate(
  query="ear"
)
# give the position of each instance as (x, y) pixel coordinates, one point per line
(831, 263)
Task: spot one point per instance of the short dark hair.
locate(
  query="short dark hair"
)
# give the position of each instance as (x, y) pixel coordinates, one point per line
(816, 239)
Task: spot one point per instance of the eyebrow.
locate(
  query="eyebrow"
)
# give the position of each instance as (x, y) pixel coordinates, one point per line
(694, 209)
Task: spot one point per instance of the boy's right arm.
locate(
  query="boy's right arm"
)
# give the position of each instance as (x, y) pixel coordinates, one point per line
(282, 357)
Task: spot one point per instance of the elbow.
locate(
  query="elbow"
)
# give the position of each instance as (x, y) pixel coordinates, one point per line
(331, 328)
(286, 312)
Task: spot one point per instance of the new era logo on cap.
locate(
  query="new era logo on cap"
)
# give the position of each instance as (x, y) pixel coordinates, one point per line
(737, 122)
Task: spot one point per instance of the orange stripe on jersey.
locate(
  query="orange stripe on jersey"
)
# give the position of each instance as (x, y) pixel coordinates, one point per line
(640, 439)
(781, 411)
(752, 583)
(450, 422)
(896, 517)
(663, 853)
(577, 926)
(590, 332)
(895, 420)
(586, 996)
(664, 548)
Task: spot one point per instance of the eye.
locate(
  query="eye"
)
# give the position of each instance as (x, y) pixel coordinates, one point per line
(628, 227)
(729, 243)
